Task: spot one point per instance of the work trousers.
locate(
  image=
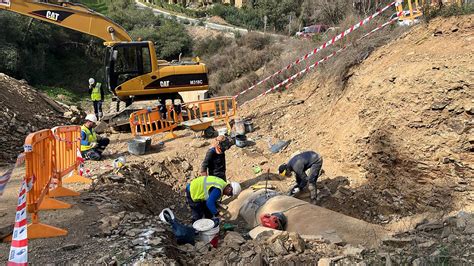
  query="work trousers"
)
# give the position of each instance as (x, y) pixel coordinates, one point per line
(95, 154)
(315, 172)
(98, 109)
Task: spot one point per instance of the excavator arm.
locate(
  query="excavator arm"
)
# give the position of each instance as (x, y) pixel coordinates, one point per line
(69, 15)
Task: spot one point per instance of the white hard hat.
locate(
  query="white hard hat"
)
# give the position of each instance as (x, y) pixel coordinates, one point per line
(91, 117)
(91, 81)
(235, 188)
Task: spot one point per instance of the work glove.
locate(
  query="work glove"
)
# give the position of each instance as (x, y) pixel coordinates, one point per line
(216, 221)
(293, 191)
(93, 145)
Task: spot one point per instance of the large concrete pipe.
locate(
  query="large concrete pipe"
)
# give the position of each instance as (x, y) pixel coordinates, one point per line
(305, 218)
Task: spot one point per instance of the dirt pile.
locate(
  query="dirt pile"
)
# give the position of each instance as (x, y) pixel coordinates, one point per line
(24, 110)
(133, 188)
(400, 130)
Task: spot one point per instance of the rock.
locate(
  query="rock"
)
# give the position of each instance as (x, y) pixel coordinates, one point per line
(329, 261)
(75, 109)
(248, 254)
(426, 244)
(429, 226)
(233, 256)
(68, 114)
(297, 241)
(418, 262)
(278, 248)
(439, 105)
(233, 238)
(469, 108)
(75, 120)
(397, 242)
(352, 251)
(324, 262)
(70, 247)
(155, 241)
(21, 130)
(446, 232)
(199, 143)
(333, 238)
(110, 223)
(257, 260)
(186, 166)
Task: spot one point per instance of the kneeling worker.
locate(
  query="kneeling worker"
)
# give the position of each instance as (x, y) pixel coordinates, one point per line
(92, 145)
(299, 164)
(204, 192)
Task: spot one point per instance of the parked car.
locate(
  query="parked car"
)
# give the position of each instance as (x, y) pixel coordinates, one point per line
(311, 30)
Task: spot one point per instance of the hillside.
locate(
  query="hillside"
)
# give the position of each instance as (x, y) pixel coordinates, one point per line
(400, 130)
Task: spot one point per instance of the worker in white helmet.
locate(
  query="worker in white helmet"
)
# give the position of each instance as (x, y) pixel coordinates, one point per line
(97, 96)
(92, 145)
(204, 192)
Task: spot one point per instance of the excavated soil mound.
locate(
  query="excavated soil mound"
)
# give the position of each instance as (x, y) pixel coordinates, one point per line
(22, 110)
(399, 132)
(134, 188)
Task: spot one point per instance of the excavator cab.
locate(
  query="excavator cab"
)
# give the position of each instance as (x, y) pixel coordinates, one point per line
(125, 61)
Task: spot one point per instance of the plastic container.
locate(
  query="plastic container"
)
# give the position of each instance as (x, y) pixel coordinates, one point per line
(222, 131)
(239, 127)
(248, 126)
(137, 146)
(207, 229)
(119, 162)
(240, 141)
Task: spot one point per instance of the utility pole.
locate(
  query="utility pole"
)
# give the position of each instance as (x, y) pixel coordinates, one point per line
(265, 24)
(289, 25)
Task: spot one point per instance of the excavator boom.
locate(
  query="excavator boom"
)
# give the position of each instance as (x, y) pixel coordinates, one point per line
(69, 15)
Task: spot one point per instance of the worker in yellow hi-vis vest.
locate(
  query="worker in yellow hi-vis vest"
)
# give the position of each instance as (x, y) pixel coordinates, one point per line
(97, 96)
(203, 194)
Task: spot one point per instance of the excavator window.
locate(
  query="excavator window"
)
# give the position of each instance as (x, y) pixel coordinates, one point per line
(127, 61)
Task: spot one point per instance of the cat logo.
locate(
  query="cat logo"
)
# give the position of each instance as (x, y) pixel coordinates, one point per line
(165, 83)
(52, 15)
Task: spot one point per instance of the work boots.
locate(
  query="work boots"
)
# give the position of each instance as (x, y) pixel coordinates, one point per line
(312, 191)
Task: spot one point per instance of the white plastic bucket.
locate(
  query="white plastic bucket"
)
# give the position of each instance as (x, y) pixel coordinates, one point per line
(206, 228)
(207, 236)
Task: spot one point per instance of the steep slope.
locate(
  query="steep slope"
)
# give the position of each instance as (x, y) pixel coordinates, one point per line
(23, 110)
(400, 130)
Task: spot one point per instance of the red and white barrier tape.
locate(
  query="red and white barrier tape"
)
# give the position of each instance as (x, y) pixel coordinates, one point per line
(320, 61)
(325, 45)
(19, 246)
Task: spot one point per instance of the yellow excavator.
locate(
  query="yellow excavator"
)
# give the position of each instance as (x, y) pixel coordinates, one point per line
(132, 71)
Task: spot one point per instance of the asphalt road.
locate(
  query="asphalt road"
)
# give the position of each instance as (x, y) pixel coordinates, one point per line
(209, 25)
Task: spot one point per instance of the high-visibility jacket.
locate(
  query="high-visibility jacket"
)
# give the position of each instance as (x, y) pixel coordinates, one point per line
(91, 136)
(96, 95)
(199, 187)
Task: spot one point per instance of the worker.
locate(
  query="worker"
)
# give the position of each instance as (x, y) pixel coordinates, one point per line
(298, 165)
(203, 194)
(92, 145)
(97, 96)
(214, 162)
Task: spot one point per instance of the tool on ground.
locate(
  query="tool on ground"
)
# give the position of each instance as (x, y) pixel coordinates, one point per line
(228, 227)
(260, 186)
